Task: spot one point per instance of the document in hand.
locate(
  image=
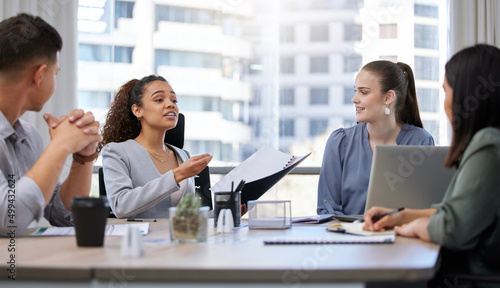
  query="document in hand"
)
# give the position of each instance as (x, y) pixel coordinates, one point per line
(261, 171)
(355, 229)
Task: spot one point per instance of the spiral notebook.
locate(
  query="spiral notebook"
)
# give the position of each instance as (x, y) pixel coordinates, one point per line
(261, 171)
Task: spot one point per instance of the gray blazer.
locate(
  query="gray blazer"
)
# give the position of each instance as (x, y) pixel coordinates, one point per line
(134, 186)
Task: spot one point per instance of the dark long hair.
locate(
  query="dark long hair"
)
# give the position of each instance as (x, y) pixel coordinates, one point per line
(473, 74)
(398, 77)
(121, 124)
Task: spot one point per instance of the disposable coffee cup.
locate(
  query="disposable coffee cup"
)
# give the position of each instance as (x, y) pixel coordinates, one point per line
(89, 218)
(227, 200)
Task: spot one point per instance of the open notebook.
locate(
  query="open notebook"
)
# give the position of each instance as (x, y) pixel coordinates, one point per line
(261, 171)
(348, 233)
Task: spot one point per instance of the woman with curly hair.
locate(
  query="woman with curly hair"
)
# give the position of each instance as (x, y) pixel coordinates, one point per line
(143, 175)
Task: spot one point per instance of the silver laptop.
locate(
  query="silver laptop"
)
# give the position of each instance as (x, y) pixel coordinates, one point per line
(408, 176)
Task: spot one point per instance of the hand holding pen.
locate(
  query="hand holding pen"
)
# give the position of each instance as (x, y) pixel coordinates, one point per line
(377, 217)
(373, 218)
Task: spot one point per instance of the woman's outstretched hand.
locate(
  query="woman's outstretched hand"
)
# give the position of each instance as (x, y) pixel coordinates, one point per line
(193, 166)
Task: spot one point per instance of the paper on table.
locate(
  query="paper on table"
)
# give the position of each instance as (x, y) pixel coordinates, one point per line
(111, 230)
(356, 229)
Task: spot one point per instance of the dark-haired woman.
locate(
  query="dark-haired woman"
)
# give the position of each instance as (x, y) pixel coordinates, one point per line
(387, 114)
(468, 218)
(143, 175)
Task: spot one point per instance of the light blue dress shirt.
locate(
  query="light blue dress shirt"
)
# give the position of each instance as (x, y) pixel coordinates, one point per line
(347, 161)
(20, 147)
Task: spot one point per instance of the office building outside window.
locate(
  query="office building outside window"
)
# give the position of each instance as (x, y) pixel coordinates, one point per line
(426, 36)
(287, 127)
(287, 65)
(348, 94)
(388, 31)
(352, 32)
(318, 33)
(318, 96)
(317, 126)
(319, 64)
(352, 63)
(249, 73)
(426, 68)
(287, 34)
(287, 96)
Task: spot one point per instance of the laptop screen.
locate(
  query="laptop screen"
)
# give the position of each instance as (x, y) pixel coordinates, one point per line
(408, 176)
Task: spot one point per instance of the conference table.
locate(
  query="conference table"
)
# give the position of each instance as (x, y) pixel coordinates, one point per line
(236, 259)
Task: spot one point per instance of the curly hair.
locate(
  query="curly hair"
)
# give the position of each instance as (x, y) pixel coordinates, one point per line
(121, 124)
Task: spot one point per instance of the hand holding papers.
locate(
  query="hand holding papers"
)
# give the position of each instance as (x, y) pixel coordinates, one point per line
(261, 171)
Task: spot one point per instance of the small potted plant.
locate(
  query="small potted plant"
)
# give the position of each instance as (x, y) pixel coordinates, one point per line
(188, 221)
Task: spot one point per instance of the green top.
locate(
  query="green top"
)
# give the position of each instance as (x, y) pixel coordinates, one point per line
(468, 218)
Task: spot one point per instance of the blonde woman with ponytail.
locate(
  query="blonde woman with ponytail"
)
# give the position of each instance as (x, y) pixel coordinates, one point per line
(387, 113)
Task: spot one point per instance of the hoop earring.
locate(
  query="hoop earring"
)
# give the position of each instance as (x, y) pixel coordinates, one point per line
(387, 110)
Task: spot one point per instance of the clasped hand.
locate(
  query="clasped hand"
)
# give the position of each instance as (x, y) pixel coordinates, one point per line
(77, 132)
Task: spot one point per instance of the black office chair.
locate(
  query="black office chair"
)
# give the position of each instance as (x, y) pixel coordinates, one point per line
(175, 137)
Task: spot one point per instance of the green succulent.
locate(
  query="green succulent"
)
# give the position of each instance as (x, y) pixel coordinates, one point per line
(188, 206)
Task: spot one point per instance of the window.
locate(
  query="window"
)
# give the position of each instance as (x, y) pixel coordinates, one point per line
(287, 70)
(257, 97)
(352, 32)
(186, 15)
(319, 64)
(287, 34)
(334, 5)
(317, 126)
(123, 54)
(428, 99)
(318, 96)
(95, 53)
(287, 96)
(287, 128)
(432, 127)
(426, 36)
(187, 59)
(427, 68)
(388, 31)
(287, 65)
(426, 11)
(123, 9)
(352, 63)
(95, 99)
(348, 94)
(318, 33)
(198, 103)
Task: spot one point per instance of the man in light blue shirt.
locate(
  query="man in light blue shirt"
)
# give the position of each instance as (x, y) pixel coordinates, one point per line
(29, 182)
